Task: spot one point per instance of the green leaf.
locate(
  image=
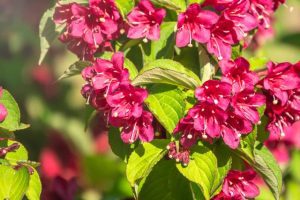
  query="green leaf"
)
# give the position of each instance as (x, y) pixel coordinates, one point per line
(74, 69)
(247, 144)
(124, 6)
(117, 146)
(177, 5)
(165, 182)
(194, 1)
(133, 72)
(202, 169)
(74, 1)
(224, 160)
(144, 158)
(258, 63)
(48, 32)
(167, 104)
(236, 51)
(20, 154)
(35, 187)
(207, 69)
(13, 183)
(268, 168)
(162, 48)
(169, 72)
(12, 121)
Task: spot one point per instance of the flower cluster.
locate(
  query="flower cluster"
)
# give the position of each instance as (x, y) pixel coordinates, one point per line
(238, 186)
(89, 29)
(226, 108)
(235, 19)
(3, 110)
(281, 87)
(219, 32)
(108, 89)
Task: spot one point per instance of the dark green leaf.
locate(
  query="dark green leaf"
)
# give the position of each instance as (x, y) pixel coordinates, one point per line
(162, 48)
(117, 146)
(144, 158)
(167, 104)
(165, 182)
(169, 72)
(48, 32)
(224, 160)
(268, 168)
(74, 69)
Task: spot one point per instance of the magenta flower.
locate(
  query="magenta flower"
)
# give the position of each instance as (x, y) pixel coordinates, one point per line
(262, 10)
(195, 24)
(245, 105)
(208, 119)
(280, 79)
(282, 116)
(103, 78)
(223, 36)
(238, 74)
(215, 92)
(126, 103)
(139, 128)
(145, 20)
(238, 13)
(239, 186)
(3, 110)
(281, 147)
(234, 127)
(88, 28)
(189, 135)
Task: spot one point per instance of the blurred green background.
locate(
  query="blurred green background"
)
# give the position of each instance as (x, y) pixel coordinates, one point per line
(57, 112)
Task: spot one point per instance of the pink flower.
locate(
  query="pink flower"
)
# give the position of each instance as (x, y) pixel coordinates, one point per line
(194, 23)
(102, 78)
(3, 110)
(277, 3)
(88, 28)
(280, 79)
(239, 186)
(282, 116)
(281, 147)
(245, 105)
(223, 35)
(139, 128)
(262, 10)
(208, 119)
(180, 155)
(126, 103)
(237, 12)
(233, 128)
(145, 20)
(238, 74)
(189, 135)
(215, 92)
